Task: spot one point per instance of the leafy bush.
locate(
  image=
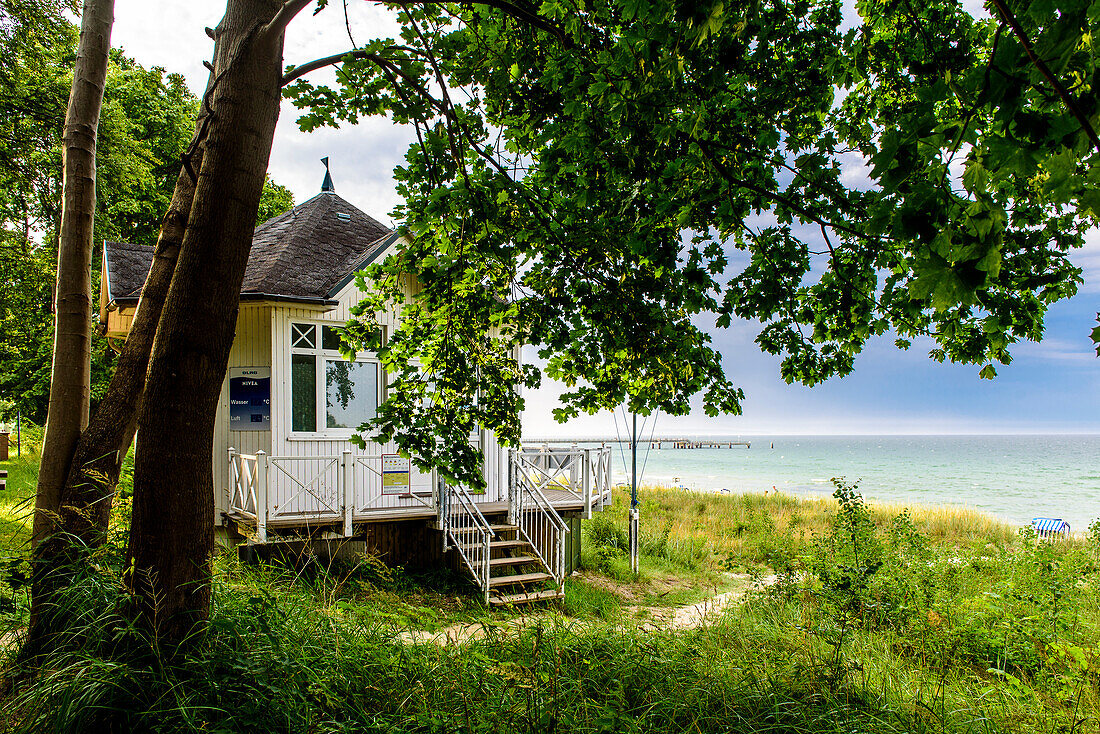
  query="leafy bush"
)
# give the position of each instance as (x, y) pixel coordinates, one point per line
(604, 533)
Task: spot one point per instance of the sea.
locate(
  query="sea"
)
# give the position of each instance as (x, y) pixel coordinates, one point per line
(1015, 478)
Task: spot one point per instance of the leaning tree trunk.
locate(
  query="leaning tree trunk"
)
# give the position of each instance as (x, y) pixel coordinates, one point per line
(69, 381)
(171, 537)
(86, 497)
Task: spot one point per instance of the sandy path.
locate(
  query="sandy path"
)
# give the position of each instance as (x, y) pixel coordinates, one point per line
(660, 618)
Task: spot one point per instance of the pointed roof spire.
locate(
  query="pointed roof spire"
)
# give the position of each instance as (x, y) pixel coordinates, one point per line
(326, 185)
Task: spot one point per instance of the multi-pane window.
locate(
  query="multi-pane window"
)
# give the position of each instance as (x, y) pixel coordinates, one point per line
(328, 392)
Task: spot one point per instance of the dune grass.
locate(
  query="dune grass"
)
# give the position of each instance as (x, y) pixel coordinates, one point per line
(778, 663)
(877, 620)
(699, 529)
(17, 501)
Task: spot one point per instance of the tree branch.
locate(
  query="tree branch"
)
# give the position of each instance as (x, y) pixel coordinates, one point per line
(282, 19)
(353, 55)
(303, 69)
(1063, 93)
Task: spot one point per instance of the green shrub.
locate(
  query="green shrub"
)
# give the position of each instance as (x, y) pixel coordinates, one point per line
(604, 533)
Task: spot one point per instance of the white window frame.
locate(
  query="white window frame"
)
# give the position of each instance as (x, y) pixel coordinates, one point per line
(320, 357)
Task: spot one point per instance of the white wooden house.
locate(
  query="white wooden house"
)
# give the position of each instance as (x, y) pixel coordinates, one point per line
(284, 463)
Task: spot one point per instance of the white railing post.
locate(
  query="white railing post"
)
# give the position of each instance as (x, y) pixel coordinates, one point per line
(513, 485)
(435, 490)
(261, 496)
(484, 580)
(561, 562)
(444, 515)
(605, 476)
(586, 480)
(349, 491)
(232, 482)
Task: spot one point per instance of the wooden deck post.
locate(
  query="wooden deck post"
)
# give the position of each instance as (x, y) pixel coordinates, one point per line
(444, 515)
(232, 481)
(586, 479)
(349, 491)
(261, 495)
(513, 490)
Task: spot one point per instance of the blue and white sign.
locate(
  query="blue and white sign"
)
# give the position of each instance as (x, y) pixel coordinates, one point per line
(250, 399)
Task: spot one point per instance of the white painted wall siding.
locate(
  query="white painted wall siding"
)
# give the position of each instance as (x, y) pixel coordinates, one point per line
(251, 348)
(303, 477)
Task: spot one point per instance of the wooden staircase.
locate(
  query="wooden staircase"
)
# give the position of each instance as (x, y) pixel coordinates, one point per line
(516, 574)
(520, 559)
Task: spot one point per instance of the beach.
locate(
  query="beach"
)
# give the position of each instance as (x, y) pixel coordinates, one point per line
(1013, 478)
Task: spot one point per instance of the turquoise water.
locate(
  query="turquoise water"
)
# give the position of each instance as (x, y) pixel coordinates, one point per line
(1011, 477)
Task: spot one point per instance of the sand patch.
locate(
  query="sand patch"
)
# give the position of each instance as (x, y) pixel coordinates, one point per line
(685, 617)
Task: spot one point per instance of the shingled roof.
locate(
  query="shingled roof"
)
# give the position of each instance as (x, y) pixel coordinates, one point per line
(305, 254)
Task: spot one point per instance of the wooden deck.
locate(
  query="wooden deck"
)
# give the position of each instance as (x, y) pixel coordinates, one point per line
(564, 502)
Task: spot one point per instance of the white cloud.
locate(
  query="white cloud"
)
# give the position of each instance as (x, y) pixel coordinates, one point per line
(172, 35)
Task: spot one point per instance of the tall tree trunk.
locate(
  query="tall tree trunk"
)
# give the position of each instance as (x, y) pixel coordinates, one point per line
(86, 497)
(69, 381)
(171, 537)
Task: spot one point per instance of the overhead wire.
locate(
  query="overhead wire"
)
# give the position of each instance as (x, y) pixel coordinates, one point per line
(649, 444)
(633, 438)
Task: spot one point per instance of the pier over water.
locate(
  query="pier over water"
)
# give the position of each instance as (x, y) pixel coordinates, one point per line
(657, 443)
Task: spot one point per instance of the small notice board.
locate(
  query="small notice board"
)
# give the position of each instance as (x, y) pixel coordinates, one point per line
(250, 399)
(396, 475)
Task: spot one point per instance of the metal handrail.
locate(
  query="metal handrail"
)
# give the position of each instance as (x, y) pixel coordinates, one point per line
(539, 524)
(467, 530)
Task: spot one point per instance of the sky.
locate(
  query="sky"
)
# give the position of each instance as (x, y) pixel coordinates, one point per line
(1051, 387)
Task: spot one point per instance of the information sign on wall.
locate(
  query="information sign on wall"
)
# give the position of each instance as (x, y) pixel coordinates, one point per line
(250, 399)
(396, 474)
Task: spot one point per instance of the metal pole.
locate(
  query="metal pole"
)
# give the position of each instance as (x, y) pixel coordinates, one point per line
(633, 534)
(634, 464)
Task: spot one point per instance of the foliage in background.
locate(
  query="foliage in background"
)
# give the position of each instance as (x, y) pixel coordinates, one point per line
(145, 124)
(274, 200)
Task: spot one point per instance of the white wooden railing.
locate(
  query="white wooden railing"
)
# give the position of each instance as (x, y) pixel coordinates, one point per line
(537, 521)
(327, 489)
(584, 473)
(600, 463)
(243, 471)
(466, 530)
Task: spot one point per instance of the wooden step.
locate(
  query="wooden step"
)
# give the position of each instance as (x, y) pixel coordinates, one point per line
(525, 597)
(504, 528)
(493, 544)
(519, 578)
(513, 561)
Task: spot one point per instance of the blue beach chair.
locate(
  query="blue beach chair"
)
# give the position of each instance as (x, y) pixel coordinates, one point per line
(1049, 527)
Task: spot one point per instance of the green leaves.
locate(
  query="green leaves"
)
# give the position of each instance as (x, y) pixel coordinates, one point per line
(617, 177)
(146, 122)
